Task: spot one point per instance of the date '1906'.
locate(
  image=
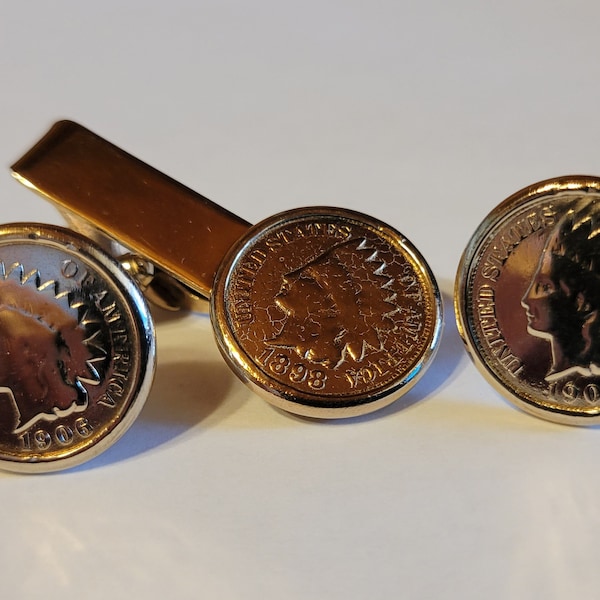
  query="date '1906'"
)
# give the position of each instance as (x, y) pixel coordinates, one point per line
(62, 435)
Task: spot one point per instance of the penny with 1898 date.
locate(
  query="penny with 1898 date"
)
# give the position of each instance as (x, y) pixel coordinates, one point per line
(326, 312)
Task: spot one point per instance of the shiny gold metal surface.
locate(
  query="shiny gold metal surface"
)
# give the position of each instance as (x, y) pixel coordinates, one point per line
(76, 349)
(527, 299)
(325, 312)
(91, 180)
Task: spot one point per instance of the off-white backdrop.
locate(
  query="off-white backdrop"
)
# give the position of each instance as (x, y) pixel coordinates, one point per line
(424, 114)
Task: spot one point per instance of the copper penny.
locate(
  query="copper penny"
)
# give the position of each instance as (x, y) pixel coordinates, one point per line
(76, 349)
(528, 299)
(326, 312)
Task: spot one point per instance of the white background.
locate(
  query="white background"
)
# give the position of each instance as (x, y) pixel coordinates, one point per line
(425, 114)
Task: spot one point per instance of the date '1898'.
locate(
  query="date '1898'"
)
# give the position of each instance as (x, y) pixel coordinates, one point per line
(280, 364)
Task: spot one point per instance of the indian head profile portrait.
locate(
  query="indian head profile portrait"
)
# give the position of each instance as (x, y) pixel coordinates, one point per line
(562, 301)
(46, 360)
(338, 306)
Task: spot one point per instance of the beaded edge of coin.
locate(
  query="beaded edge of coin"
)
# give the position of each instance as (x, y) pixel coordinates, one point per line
(284, 330)
(81, 319)
(515, 313)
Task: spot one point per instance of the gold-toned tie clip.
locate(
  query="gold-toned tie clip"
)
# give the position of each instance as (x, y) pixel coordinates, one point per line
(177, 237)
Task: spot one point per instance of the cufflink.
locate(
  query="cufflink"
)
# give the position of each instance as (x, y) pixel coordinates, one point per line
(527, 299)
(77, 349)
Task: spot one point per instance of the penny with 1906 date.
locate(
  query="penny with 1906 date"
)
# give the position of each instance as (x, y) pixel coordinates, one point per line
(76, 349)
(528, 299)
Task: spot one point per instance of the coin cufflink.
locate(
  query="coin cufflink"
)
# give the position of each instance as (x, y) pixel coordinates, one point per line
(76, 345)
(324, 312)
(527, 299)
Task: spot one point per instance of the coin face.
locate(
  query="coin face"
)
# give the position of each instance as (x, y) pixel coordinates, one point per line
(326, 312)
(76, 349)
(528, 299)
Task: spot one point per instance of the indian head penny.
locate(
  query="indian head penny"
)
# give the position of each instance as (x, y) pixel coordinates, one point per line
(528, 299)
(76, 349)
(326, 312)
